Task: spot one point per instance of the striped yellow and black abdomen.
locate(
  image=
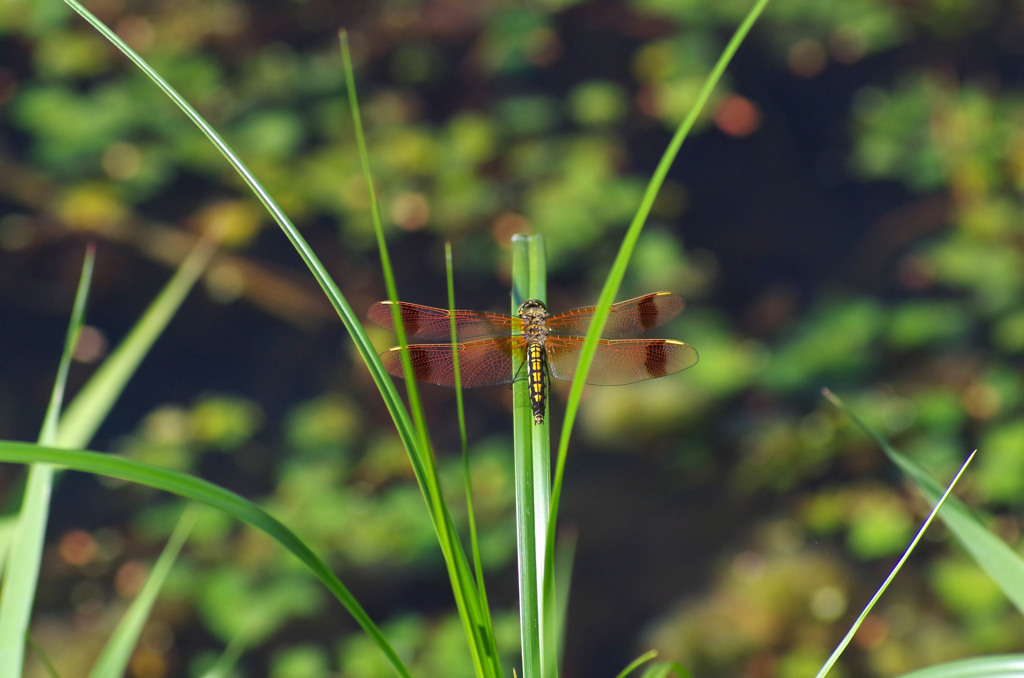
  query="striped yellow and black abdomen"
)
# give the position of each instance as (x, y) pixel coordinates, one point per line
(535, 379)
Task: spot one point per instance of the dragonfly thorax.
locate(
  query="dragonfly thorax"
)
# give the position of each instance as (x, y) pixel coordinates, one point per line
(533, 310)
(533, 313)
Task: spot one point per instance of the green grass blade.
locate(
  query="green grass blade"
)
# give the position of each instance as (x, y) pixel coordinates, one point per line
(841, 647)
(636, 663)
(414, 430)
(341, 306)
(618, 269)
(998, 560)
(199, 490)
(469, 600)
(996, 666)
(418, 445)
(666, 669)
(658, 670)
(92, 404)
(485, 625)
(113, 661)
(556, 601)
(21, 574)
(459, 404)
(531, 453)
(49, 433)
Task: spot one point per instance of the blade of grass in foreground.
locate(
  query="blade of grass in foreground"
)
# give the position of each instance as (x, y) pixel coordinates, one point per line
(485, 625)
(531, 450)
(21, 575)
(996, 666)
(92, 404)
(834, 657)
(998, 560)
(459, 571)
(338, 301)
(625, 253)
(469, 600)
(113, 661)
(618, 269)
(200, 490)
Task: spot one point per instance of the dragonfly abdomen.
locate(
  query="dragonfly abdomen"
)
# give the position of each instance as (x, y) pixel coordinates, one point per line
(535, 379)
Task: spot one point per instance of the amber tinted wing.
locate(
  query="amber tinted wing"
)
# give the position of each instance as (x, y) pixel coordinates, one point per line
(481, 363)
(428, 322)
(620, 361)
(626, 319)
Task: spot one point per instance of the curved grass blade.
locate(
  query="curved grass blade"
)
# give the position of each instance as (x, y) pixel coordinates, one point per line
(657, 670)
(637, 663)
(348, 317)
(998, 560)
(200, 490)
(455, 557)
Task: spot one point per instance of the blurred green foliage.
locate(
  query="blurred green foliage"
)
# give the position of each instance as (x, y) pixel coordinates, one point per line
(488, 120)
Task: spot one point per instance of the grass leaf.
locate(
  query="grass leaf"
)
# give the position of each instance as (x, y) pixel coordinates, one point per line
(998, 560)
(200, 490)
(21, 574)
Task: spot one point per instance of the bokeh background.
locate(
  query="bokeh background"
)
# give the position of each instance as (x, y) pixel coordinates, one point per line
(847, 214)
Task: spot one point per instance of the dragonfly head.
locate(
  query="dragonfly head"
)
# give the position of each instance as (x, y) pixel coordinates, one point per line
(533, 310)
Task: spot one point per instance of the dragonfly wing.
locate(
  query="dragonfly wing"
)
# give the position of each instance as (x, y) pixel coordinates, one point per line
(626, 319)
(428, 322)
(481, 363)
(620, 361)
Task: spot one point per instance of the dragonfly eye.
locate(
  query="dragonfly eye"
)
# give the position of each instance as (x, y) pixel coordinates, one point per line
(533, 308)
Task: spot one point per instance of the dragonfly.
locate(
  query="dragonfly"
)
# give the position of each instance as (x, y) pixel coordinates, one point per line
(493, 347)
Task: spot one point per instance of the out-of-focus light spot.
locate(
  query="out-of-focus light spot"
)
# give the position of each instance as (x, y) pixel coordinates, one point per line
(353, 193)
(91, 346)
(848, 45)
(507, 225)
(738, 116)
(542, 47)
(234, 223)
(130, 578)
(225, 282)
(410, 211)
(646, 101)
(981, 401)
(872, 632)
(121, 161)
(806, 58)
(77, 548)
(91, 208)
(137, 31)
(828, 603)
(148, 664)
